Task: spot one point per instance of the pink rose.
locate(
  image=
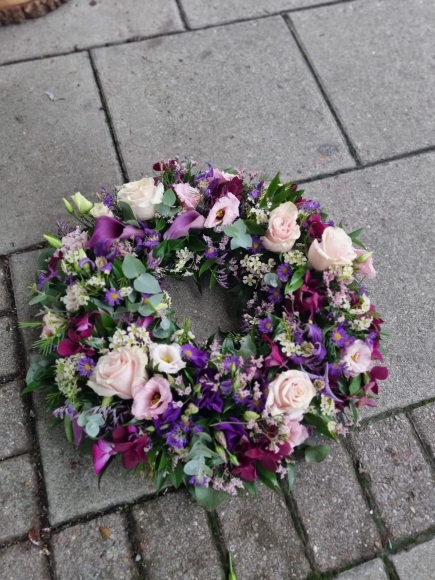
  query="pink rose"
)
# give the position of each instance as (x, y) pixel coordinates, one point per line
(357, 358)
(224, 211)
(151, 398)
(291, 393)
(334, 249)
(188, 196)
(283, 230)
(365, 268)
(297, 433)
(118, 372)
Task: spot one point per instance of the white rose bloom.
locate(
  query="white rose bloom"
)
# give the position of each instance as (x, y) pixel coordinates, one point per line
(167, 357)
(142, 196)
(99, 210)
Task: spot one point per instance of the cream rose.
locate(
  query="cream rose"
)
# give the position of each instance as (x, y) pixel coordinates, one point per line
(142, 196)
(334, 249)
(100, 209)
(118, 372)
(283, 230)
(167, 357)
(290, 393)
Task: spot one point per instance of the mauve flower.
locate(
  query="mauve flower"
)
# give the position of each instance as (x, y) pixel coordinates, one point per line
(224, 211)
(357, 358)
(233, 430)
(190, 220)
(102, 451)
(365, 268)
(296, 432)
(188, 195)
(151, 398)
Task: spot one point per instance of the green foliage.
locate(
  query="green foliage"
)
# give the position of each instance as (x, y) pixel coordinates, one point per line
(317, 454)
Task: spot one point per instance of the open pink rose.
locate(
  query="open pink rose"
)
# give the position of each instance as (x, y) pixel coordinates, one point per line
(365, 268)
(151, 398)
(334, 249)
(297, 433)
(188, 196)
(118, 372)
(357, 358)
(283, 230)
(224, 211)
(291, 393)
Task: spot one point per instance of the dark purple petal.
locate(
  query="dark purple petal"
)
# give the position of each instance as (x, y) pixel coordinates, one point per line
(189, 220)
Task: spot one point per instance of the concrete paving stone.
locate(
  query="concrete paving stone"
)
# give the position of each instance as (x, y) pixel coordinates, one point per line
(8, 355)
(395, 203)
(5, 300)
(206, 12)
(23, 562)
(250, 529)
(239, 95)
(95, 550)
(424, 420)
(50, 148)
(14, 436)
(18, 506)
(417, 563)
(175, 540)
(376, 61)
(373, 570)
(401, 480)
(85, 23)
(330, 503)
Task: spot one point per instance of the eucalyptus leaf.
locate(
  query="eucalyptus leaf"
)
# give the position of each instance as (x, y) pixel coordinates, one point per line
(132, 267)
(271, 279)
(147, 284)
(127, 212)
(169, 197)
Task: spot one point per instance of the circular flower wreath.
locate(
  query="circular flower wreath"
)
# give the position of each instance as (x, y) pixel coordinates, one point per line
(222, 415)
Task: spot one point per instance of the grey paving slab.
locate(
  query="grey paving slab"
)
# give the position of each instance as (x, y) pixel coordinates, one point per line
(14, 435)
(18, 507)
(237, 95)
(424, 420)
(418, 563)
(23, 562)
(395, 203)
(5, 299)
(261, 538)
(401, 480)
(206, 12)
(376, 61)
(84, 23)
(175, 540)
(8, 338)
(330, 503)
(50, 149)
(373, 570)
(95, 550)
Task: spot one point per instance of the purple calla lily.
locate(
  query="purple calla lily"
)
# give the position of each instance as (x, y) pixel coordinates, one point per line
(107, 230)
(190, 220)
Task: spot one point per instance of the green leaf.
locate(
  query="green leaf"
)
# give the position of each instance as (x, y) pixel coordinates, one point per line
(296, 281)
(196, 245)
(132, 267)
(147, 284)
(161, 479)
(107, 320)
(68, 428)
(359, 244)
(267, 477)
(317, 454)
(355, 385)
(33, 386)
(319, 424)
(291, 475)
(254, 228)
(207, 265)
(231, 231)
(160, 225)
(43, 256)
(273, 186)
(169, 197)
(176, 476)
(282, 194)
(251, 487)
(127, 212)
(209, 498)
(247, 347)
(38, 298)
(355, 234)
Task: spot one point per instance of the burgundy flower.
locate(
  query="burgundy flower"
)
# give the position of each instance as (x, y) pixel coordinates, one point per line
(316, 226)
(132, 446)
(249, 454)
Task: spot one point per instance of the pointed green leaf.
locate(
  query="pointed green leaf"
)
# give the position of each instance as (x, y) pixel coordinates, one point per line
(317, 454)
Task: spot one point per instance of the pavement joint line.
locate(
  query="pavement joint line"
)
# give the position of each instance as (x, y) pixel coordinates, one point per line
(299, 528)
(396, 411)
(390, 569)
(317, 78)
(424, 445)
(138, 38)
(183, 14)
(14, 456)
(109, 121)
(134, 544)
(215, 527)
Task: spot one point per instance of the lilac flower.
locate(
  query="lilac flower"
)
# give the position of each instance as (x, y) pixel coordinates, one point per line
(204, 175)
(284, 272)
(275, 295)
(200, 480)
(41, 280)
(211, 252)
(85, 366)
(226, 387)
(107, 198)
(266, 325)
(176, 436)
(371, 338)
(113, 297)
(330, 223)
(310, 205)
(199, 358)
(314, 333)
(257, 245)
(339, 336)
(256, 192)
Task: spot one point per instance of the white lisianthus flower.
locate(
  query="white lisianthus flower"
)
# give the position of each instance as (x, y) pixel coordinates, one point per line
(99, 210)
(142, 196)
(75, 297)
(167, 357)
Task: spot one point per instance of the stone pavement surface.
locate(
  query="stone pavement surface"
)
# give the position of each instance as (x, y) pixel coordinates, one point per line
(339, 95)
